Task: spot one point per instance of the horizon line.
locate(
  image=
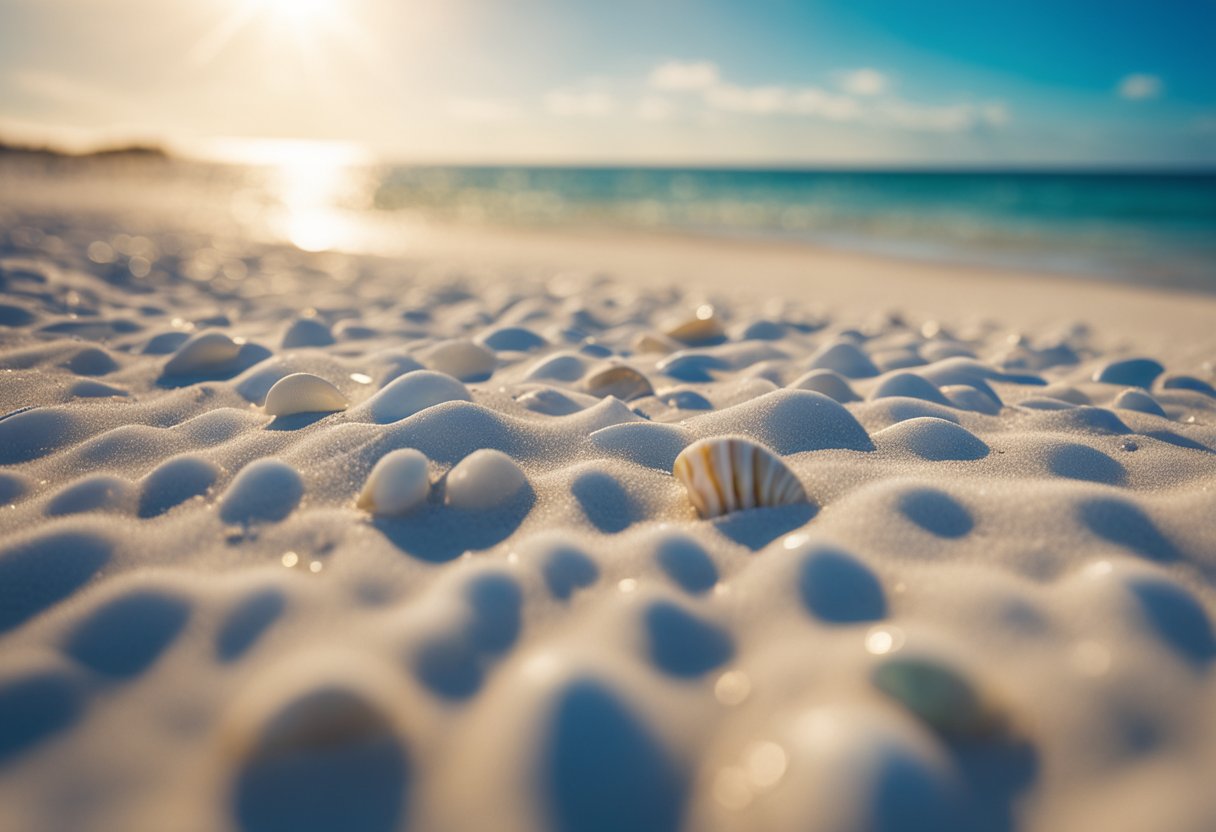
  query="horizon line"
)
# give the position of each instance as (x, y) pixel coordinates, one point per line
(361, 157)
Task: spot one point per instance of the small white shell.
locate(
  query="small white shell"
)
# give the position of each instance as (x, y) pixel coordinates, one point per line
(303, 393)
(483, 480)
(621, 381)
(413, 392)
(204, 351)
(730, 473)
(398, 483)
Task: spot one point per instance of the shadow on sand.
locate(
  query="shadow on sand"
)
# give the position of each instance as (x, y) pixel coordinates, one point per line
(438, 533)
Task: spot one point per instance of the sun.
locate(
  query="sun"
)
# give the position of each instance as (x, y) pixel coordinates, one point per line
(299, 24)
(300, 13)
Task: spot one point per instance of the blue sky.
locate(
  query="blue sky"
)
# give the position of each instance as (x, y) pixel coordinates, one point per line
(845, 82)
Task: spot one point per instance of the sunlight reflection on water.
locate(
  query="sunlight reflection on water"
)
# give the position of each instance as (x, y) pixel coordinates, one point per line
(310, 192)
(320, 193)
(315, 195)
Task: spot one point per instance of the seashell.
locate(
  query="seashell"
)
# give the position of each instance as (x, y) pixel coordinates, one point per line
(303, 393)
(413, 392)
(205, 351)
(398, 483)
(621, 381)
(655, 342)
(702, 330)
(483, 480)
(937, 692)
(730, 473)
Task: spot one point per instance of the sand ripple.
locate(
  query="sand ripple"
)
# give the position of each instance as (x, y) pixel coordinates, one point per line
(993, 612)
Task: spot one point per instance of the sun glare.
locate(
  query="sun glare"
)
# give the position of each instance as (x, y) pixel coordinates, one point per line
(303, 22)
(312, 194)
(296, 12)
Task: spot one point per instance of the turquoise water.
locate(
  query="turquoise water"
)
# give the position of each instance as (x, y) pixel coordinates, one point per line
(1151, 228)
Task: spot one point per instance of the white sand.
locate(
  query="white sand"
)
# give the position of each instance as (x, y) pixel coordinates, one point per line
(994, 613)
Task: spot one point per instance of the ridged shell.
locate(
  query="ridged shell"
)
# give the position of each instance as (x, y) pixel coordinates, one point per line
(730, 473)
(623, 382)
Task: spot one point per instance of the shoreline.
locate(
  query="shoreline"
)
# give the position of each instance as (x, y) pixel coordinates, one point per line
(1149, 318)
(796, 270)
(425, 517)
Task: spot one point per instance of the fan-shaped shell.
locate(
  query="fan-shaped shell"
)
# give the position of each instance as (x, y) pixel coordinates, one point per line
(730, 473)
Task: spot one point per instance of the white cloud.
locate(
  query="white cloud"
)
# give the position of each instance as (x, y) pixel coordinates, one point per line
(1138, 86)
(996, 114)
(685, 76)
(819, 103)
(864, 100)
(591, 104)
(654, 108)
(947, 118)
(755, 100)
(777, 100)
(864, 81)
(815, 102)
(482, 109)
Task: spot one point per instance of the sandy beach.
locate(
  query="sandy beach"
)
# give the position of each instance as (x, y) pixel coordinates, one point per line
(320, 541)
(566, 416)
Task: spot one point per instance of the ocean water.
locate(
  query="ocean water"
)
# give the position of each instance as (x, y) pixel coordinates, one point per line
(1151, 228)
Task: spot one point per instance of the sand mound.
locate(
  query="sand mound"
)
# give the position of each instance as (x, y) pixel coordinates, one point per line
(477, 598)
